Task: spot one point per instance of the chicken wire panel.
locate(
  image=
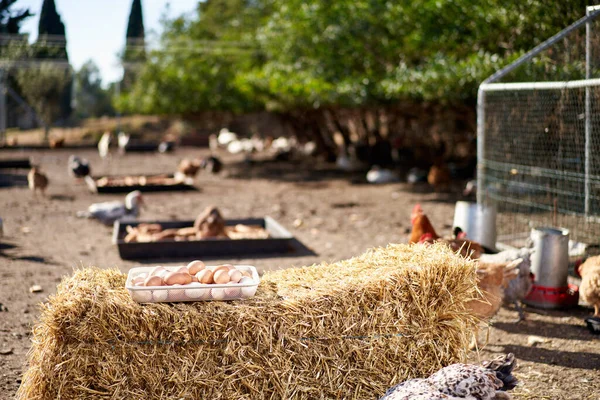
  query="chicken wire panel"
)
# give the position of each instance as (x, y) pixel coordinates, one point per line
(532, 127)
(534, 165)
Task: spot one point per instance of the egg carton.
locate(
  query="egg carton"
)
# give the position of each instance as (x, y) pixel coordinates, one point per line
(191, 292)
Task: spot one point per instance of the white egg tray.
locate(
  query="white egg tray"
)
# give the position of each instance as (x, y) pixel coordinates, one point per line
(191, 292)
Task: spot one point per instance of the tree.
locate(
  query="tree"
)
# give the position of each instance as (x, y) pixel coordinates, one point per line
(134, 47)
(10, 21)
(91, 100)
(52, 43)
(43, 88)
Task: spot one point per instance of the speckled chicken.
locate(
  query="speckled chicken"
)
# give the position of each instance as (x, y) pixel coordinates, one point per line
(589, 290)
(490, 381)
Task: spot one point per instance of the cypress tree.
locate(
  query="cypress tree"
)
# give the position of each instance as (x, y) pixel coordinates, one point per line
(52, 29)
(51, 25)
(134, 47)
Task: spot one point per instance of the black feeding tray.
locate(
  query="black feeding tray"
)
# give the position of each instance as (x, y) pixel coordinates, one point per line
(279, 241)
(15, 163)
(92, 184)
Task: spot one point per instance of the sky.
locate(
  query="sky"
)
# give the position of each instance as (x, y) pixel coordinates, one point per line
(96, 28)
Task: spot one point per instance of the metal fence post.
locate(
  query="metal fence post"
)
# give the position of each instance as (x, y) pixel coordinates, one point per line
(480, 145)
(3, 122)
(588, 122)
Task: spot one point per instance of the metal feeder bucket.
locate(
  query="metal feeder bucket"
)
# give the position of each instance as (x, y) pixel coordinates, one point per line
(478, 221)
(550, 261)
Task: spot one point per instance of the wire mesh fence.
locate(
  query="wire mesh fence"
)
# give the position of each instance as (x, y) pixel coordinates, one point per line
(539, 128)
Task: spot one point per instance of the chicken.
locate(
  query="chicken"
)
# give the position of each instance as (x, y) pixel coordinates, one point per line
(423, 232)
(56, 142)
(492, 280)
(211, 164)
(490, 381)
(189, 168)
(37, 180)
(521, 286)
(421, 226)
(104, 144)
(439, 176)
(78, 167)
(210, 224)
(111, 211)
(589, 289)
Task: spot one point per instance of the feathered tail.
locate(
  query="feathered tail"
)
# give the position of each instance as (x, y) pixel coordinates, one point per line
(503, 367)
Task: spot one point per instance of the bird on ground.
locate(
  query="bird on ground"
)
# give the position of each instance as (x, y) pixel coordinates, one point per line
(589, 290)
(111, 211)
(489, 381)
(123, 140)
(380, 175)
(423, 232)
(104, 144)
(521, 286)
(37, 180)
(78, 167)
(211, 164)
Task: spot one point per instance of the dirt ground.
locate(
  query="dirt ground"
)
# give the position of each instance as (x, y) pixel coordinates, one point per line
(333, 215)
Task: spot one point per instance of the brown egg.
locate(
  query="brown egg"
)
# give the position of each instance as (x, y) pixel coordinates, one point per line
(159, 271)
(219, 267)
(247, 273)
(178, 278)
(205, 276)
(183, 270)
(221, 276)
(234, 275)
(138, 280)
(195, 266)
(153, 281)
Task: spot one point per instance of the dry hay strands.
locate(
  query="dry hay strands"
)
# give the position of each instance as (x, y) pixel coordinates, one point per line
(345, 330)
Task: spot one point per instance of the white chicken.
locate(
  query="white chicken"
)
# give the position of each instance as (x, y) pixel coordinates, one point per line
(490, 381)
(380, 175)
(104, 144)
(111, 211)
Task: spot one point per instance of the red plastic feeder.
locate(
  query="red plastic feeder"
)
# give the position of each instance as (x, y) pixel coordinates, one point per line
(553, 297)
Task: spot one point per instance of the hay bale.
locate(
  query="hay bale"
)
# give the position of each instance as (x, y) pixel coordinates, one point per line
(349, 329)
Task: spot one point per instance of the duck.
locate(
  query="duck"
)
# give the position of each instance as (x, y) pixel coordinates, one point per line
(110, 211)
(78, 167)
(37, 180)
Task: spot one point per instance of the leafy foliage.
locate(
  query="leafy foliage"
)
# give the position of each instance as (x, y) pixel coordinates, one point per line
(291, 55)
(91, 99)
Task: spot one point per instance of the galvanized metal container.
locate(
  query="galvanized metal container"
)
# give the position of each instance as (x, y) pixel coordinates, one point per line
(478, 221)
(550, 261)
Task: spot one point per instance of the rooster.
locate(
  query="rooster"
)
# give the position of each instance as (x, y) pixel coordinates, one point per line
(589, 290)
(490, 381)
(423, 232)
